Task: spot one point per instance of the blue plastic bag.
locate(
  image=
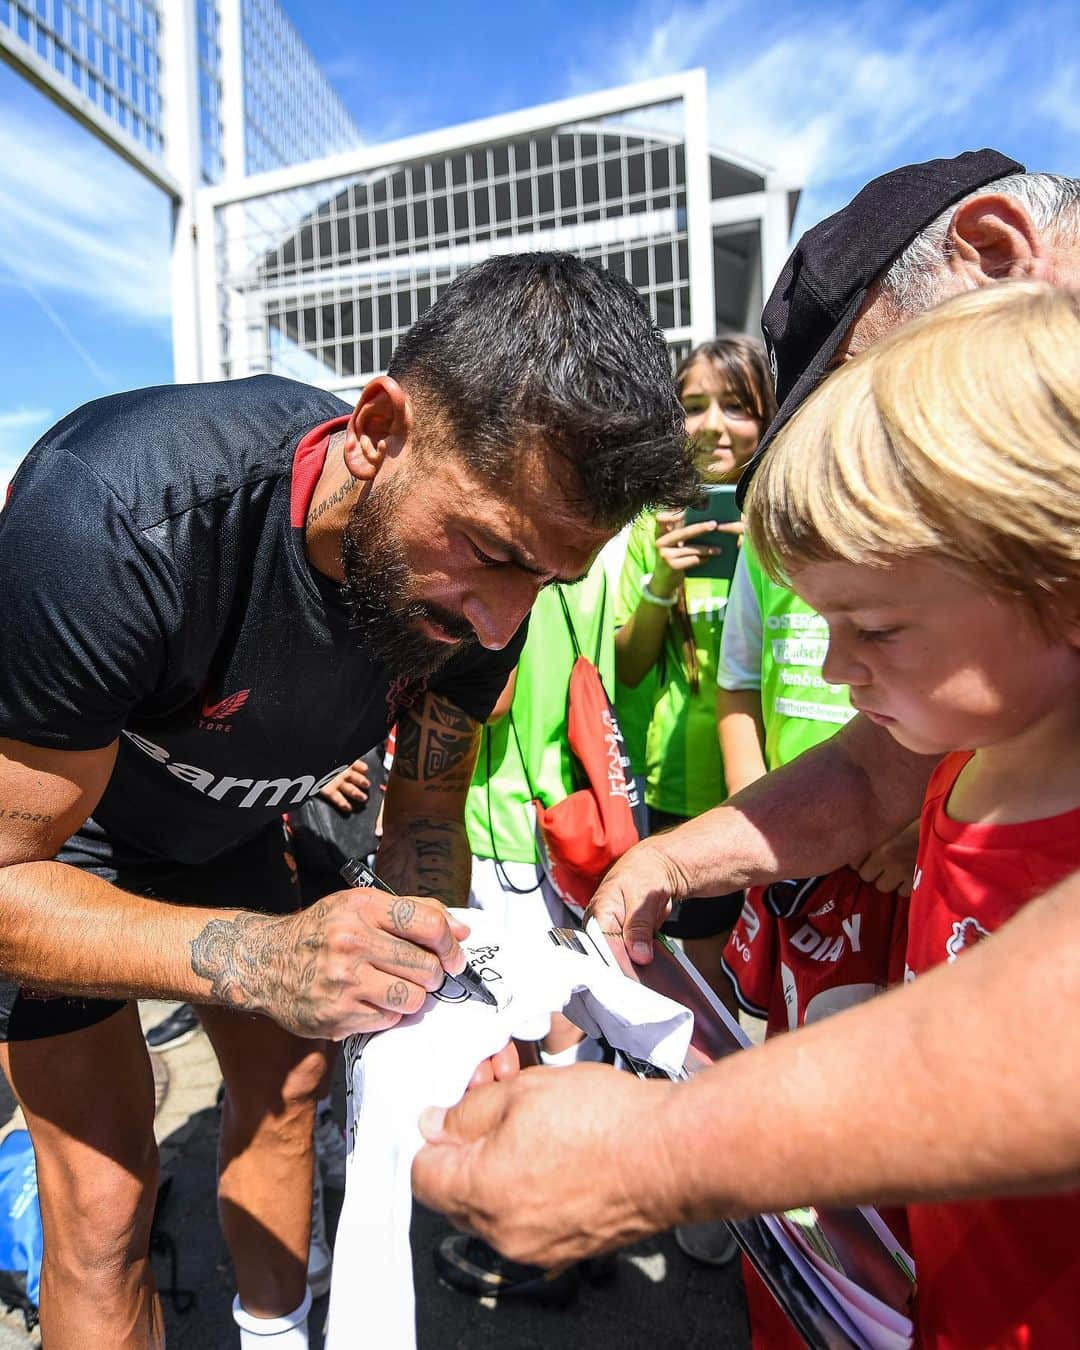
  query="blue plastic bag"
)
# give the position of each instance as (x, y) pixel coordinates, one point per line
(20, 1223)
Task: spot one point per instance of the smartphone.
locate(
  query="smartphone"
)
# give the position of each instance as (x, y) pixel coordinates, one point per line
(718, 504)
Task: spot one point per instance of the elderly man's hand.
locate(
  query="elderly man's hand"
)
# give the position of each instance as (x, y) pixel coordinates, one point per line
(504, 1064)
(554, 1165)
(634, 899)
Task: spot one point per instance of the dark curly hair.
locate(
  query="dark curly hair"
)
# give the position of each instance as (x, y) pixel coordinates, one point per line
(546, 350)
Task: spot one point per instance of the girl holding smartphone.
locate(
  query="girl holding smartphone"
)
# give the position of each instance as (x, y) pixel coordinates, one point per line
(669, 617)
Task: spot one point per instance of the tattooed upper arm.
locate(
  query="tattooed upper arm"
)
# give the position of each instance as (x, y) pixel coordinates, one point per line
(436, 745)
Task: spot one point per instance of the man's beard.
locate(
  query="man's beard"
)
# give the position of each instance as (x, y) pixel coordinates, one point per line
(376, 589)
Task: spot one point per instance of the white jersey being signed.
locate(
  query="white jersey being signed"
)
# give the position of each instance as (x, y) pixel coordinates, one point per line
(427, 1060)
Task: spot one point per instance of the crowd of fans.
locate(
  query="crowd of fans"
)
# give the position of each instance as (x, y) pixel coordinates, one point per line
(912, 557)
(898, 606)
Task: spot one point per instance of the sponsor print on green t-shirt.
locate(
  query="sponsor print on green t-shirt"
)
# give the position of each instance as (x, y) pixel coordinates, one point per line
(497, 814)
(684, 771)
(799, 708)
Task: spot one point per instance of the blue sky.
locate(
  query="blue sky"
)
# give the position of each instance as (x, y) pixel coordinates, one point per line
(833, 93)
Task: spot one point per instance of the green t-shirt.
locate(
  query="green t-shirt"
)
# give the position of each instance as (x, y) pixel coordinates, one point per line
(799, 709)
(683, 768)
(497, 814)
(634, 709)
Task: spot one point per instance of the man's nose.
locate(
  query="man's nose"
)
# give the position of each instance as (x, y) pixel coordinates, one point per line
(498, 613)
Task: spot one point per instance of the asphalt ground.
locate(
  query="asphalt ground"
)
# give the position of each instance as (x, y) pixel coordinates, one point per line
(658, 1298)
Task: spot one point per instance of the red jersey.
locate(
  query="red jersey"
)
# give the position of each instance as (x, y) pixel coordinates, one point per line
(802, 950)
(991, 1272)
(835, 941)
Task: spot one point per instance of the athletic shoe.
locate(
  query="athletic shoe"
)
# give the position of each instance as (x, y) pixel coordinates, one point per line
(319, 1259)
(710, 1244)
(330, 1148)
(176, 1029)
(472, 1266)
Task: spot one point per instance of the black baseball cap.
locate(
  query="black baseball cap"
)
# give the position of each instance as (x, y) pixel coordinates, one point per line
(825, 280)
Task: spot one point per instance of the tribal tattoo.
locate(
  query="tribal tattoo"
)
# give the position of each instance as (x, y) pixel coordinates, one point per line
(436, 744)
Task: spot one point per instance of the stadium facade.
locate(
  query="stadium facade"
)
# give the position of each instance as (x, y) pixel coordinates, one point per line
(315, 270)
(297, 249)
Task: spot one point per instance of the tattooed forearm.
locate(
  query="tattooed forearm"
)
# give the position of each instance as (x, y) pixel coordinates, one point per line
(242, 959)
(436, 745)
(427, 856)
(436, 850)
(425, 850)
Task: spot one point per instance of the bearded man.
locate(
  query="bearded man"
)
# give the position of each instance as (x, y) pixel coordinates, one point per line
(216, 598)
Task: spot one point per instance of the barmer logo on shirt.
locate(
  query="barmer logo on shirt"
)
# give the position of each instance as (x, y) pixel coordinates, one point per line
(215, 716)
(275, 792)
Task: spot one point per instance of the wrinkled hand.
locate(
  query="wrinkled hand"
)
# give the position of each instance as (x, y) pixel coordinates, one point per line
(891, 866)
(358, 960)
(634, 899)
(552, 1166)
(681, 547)
(498, 1068)
(350, 788)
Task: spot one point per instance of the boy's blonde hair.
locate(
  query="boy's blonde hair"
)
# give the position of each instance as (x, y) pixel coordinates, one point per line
(958, 436)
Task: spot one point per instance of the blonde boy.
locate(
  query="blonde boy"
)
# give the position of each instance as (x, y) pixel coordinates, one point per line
(926, 501)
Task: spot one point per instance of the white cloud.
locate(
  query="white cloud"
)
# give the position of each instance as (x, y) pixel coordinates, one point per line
(1060, 99)
(75, 220)
(18, 419)
(826, 95)
(19, 429)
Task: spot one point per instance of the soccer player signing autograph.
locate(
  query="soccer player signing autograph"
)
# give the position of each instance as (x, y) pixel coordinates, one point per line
(216, 598)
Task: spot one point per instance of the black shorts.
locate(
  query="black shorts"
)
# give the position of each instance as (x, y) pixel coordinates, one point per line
(704, 916)
(259, 874)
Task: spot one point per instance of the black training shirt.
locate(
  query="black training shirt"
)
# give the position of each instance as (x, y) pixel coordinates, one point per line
(155, 589)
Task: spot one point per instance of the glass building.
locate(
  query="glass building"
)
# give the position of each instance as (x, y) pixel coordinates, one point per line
(283, 122)
(317, 270)
(107, 56)
(108, 59)
(191, 92)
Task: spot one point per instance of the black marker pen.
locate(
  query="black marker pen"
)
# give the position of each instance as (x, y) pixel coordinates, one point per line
(357, 873)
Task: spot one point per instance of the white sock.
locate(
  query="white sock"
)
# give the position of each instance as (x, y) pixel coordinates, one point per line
(586, 1051)
(288, 1333)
